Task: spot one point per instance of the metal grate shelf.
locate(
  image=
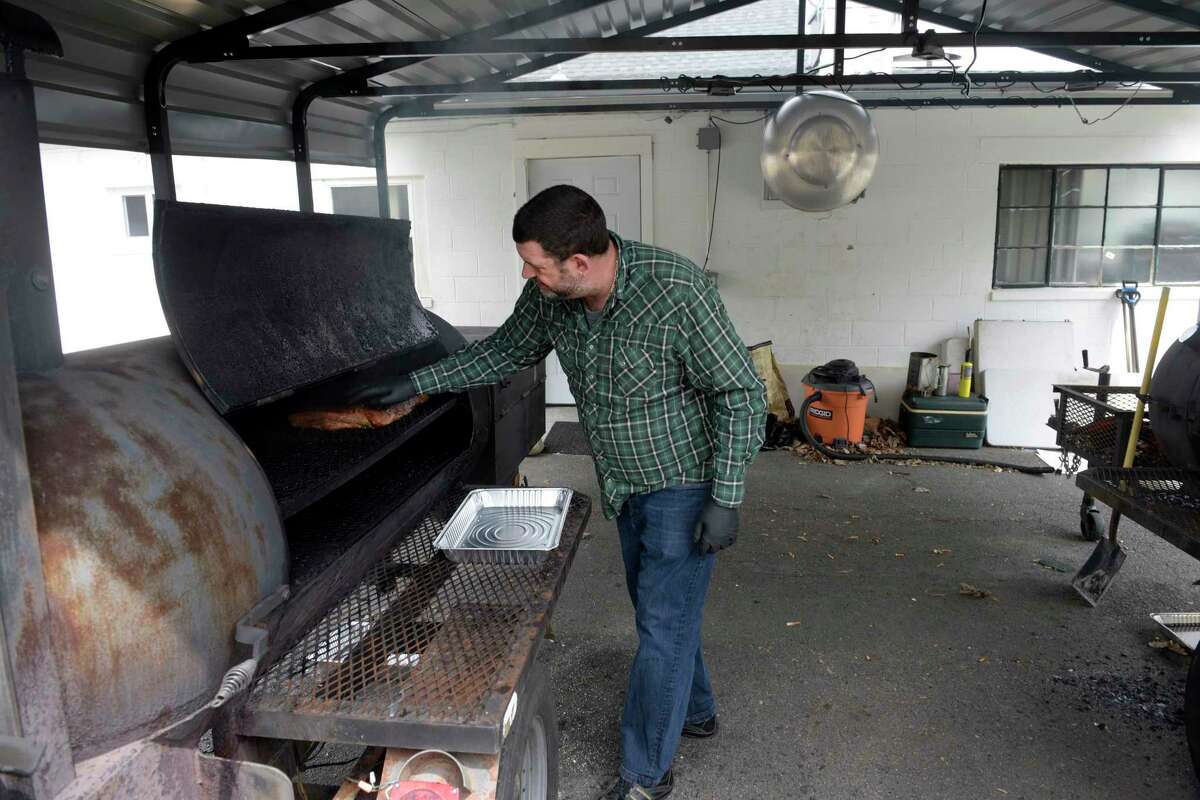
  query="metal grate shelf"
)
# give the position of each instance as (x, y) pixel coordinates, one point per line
(1094, 422)
(305, 465)
(424, 652)
(1164, 500)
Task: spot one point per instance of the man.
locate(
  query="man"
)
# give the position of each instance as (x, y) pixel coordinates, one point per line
(674, 413)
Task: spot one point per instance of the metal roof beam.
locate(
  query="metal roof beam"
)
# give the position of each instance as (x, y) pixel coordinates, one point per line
(242, 51)
(769, 103)
(1081, 80)
(1167, 11)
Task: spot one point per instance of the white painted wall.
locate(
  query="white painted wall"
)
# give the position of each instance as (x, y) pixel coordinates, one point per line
(901, 270)
(904, 268)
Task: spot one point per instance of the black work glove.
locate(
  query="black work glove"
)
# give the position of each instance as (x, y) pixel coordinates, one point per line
(382, 392)
(717, 528)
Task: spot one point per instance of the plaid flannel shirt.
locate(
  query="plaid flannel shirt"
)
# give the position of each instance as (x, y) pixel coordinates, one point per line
(665, 388)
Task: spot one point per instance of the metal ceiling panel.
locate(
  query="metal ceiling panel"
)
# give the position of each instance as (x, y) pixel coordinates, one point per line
(91, 97)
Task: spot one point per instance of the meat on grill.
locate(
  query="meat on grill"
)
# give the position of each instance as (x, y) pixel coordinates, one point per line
(338, 419)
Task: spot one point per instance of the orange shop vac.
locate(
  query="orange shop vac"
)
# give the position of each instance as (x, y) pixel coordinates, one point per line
(835, 403)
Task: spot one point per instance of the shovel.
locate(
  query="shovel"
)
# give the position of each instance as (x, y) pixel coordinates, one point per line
(1102, 566)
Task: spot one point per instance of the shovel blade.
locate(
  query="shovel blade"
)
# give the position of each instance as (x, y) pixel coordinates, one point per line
(1098, 571)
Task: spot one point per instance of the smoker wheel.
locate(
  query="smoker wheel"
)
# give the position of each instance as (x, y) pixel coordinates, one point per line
(529, 756)
(1091, 524)
(1191, 713)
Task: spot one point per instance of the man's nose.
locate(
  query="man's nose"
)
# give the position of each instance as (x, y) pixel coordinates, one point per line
(526, 271)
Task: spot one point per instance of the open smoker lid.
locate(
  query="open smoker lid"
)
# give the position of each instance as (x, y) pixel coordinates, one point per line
(263, 302)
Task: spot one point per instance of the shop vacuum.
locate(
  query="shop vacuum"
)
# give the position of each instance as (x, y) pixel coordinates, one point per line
(835, 403)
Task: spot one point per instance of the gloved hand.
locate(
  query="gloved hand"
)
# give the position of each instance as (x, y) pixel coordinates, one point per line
(382, 392)
(717, 528)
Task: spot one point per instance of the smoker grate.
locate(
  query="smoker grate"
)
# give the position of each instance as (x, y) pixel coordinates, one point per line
(421, 643)
(1164, 500)
(303, 465)
(1094, 423)
(356, 508)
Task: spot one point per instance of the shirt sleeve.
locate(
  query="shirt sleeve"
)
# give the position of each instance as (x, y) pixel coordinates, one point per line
(522, 341)
(718, 363)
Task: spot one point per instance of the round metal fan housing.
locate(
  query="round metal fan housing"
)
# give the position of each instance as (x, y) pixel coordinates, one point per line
(819, 151)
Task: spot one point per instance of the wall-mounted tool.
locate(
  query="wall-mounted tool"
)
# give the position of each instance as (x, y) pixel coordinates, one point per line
(1128, 295)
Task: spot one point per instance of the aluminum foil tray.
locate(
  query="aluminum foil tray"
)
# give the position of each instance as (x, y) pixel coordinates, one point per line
(1182, 626)
(506, 526)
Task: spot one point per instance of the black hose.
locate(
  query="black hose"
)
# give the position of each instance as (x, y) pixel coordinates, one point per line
(831, 453)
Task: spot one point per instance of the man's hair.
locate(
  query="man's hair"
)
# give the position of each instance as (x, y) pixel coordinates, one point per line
(564, 220)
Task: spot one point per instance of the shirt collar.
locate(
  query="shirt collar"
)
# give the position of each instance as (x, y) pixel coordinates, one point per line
(621, 267)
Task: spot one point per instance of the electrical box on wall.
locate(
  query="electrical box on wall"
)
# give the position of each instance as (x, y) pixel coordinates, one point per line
(708, 138)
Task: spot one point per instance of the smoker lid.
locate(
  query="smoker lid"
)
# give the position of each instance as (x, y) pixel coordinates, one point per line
(263, 302)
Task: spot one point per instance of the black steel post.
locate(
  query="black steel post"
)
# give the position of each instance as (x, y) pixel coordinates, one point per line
(158, 129)
(802, 28)
(909, 17)
(24, 237)
(300, 153)
(839, 27)
(379, 143)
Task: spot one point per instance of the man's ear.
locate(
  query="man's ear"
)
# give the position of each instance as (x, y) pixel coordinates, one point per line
(581, 262)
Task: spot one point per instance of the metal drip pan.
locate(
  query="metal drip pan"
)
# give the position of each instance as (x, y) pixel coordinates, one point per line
(1182, 626)
(506, 526)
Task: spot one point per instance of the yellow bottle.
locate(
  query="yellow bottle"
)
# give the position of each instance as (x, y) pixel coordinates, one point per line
(964, 380)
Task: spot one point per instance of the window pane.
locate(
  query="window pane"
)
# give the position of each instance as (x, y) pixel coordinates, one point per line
(1079, 226)
(1075, 266)
(1080, 187)
(1133, 187)
(361, 201)
(1178, 265)
(1022, 227)
(1180, 226)
(1129, 264)
(136, 221)
(1024, 187)
(1127, 227)
(1021, 267)
(1181, 187)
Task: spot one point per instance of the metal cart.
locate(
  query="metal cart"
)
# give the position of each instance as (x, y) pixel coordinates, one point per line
(1166, 502)
(1093, 424)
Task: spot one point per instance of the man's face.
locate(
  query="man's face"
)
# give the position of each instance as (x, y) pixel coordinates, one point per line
(557, 280)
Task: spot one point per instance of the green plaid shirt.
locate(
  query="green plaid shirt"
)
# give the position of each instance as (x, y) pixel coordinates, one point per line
(665, 388)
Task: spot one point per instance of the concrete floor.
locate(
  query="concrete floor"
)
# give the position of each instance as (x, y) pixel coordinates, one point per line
(892, 684)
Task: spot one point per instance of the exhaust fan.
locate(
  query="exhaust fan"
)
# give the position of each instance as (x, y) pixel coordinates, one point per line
(819, 151)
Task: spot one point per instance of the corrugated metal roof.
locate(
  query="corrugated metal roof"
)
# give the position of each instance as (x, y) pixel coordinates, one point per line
(92, 96)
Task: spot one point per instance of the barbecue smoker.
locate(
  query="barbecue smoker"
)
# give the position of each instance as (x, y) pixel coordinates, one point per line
(208, 566)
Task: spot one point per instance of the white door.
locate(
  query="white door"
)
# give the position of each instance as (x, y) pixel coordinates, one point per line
(615, 182)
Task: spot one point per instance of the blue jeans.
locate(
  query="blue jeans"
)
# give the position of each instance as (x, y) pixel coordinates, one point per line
(668, 580)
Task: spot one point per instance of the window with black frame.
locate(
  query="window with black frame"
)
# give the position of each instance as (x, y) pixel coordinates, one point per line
(1097, 225)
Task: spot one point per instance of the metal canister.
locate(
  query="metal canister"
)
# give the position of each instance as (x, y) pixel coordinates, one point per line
(964, 381)
(943, 380)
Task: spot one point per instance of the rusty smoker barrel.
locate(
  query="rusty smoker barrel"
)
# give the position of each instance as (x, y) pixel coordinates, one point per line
(158, 532)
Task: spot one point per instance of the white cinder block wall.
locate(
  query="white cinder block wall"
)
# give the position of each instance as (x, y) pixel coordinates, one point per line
(906, 267)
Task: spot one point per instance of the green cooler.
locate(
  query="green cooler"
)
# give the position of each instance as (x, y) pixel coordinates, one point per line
(943, 421)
